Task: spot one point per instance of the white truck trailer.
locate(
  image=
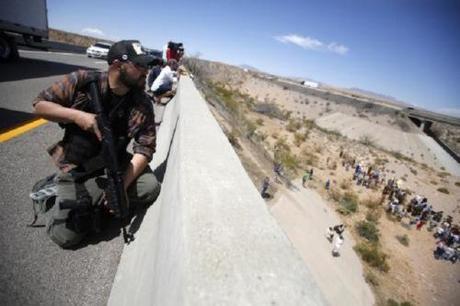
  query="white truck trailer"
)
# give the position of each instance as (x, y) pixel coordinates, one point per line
(28, 18)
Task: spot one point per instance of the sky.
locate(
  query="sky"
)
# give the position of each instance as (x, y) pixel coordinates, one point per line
(407, 49)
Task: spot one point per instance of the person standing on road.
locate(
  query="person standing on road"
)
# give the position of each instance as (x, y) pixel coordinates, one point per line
(330, 234)
(265, 185)
(305, 178)
(328, 185)
(339, 229)
(78, 155)
(337, 245)
(277, 168)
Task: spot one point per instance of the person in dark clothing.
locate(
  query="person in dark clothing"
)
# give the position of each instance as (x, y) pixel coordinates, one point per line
(78, 155)
(339, 229)
(265, 185)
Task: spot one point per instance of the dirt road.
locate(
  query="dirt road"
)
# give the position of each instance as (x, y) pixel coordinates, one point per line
(304, 217)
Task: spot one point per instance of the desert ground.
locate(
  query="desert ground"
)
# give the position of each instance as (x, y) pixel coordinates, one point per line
(267, 122)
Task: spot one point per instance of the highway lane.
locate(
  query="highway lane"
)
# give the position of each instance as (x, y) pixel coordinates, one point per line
(33, 270)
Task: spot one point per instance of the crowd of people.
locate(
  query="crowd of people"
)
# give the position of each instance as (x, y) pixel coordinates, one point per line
(368, 178)
(418, 211)
(448, 244)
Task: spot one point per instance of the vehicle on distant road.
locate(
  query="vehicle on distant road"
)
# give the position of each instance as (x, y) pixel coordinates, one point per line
(98, 50)
(154, 52)
(28, 18)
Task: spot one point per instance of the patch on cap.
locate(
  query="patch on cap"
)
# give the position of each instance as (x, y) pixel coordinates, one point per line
(137, 48)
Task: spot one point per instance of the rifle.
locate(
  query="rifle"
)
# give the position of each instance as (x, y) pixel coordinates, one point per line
(115, 193)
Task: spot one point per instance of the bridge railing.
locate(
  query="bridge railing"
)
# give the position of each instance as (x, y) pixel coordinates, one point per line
(209, 239)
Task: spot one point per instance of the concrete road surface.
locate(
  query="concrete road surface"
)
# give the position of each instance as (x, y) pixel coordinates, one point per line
(33, 270)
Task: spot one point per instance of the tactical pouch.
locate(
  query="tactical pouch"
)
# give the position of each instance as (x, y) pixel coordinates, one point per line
(80, 220)
(43, 196)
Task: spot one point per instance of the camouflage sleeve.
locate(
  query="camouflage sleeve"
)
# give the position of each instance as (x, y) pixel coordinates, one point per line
(145, 137)
(62, 91)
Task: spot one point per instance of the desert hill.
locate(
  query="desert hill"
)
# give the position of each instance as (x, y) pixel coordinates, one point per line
(268, 120)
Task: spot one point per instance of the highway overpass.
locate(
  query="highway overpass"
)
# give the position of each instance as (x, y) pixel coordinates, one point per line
(209, 238)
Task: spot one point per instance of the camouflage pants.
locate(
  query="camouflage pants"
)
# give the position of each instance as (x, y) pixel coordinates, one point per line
(61, 229)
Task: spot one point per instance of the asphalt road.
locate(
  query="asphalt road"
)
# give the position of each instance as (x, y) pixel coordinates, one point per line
(33, 270)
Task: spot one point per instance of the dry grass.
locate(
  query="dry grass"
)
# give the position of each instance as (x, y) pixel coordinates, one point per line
(308, 158)
(443, 190)
(367, 140)
(443, 174)
(371, 202)
(348, 203)
(345, 184)
(368, 230)
(373, 215)
(233, 138)
(293, 125)
(380, 161)
(403, 239)
(371, 279)
(372, 254)
(300, 138)
(335, 194)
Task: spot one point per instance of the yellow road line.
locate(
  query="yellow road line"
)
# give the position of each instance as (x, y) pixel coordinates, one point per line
(21, 130)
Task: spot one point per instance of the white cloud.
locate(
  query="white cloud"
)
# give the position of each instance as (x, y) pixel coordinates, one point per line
(337, 48)
(310, 43)
(301, 41)
(92, 31)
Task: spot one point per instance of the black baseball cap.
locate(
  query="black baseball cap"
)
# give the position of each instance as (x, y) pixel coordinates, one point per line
(129, 50)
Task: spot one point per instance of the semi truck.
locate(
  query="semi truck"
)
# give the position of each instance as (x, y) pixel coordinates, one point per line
(25, 21)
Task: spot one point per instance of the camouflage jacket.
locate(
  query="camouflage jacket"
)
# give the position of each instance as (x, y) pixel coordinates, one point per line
(68, 93)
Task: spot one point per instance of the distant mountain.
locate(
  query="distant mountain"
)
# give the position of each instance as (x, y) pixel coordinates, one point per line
(244, 66)
(378, 96)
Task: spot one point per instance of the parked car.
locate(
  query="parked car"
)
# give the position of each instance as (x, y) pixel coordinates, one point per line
(153, 52)
(98, 50)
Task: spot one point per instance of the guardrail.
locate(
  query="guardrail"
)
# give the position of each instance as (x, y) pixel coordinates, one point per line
(209, 239)
(50, 45)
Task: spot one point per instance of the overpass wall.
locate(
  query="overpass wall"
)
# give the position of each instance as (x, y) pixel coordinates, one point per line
(209, 239)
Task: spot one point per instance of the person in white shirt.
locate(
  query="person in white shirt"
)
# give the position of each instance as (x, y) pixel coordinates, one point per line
(163, 84)
(337, 245)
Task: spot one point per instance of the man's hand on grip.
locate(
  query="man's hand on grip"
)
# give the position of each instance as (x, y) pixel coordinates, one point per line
(88, 122)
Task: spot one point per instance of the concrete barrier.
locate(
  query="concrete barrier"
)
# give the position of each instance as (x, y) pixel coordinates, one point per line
(209, 238)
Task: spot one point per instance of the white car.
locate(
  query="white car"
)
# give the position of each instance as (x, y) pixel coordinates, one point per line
(99, 50)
